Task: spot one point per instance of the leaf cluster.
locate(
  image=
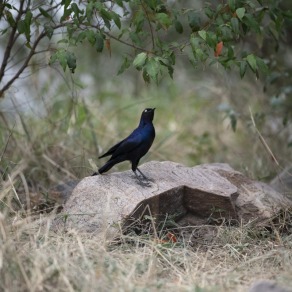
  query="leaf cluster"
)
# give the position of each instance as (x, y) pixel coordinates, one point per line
(156, 32)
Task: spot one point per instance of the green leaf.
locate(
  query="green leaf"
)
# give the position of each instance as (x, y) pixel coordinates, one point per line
(211, 39)
(153, 68)
(140, 60)
(45, 13)
(235, 25)
(251, 60)
(107, 17)
(10, 18)
(90, 35)
(61, 57)
(233, 120)
(76, 9)
(152, 4)
(99, 42)
(171, 58)
(138, 21)
(135, 38)
(146, 76)
(63, 61)
(125, 65)
(106, 14)
(21, 26)
(242, 68)
(230, 53)
(209, 12)
(66, 14)
(53, 59)
(66, 3)
(231, 4)
(81, 37)
(65, 58)
(195, 42)
(178, 26)
(9, 6)
(89, 11)
(120, 3)
(250, 21)
(202, 34)
(27, 19)
(167, 62)
(49, 31)
(226, 33)
(65, 41)
(116, 19)
(194, 21)
(240, 12)
(200, 55)
(71, 61)
(163, 19)
(82, 114)
(262, 65)
(3, 31)
(170, 71)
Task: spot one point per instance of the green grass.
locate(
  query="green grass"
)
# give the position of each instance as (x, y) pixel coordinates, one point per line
(38, 152)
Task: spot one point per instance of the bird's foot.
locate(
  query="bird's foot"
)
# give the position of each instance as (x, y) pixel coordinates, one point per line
(142, 174)
(140, 180)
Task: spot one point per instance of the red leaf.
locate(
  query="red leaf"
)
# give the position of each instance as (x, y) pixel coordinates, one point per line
(218, 49)
(108, 46)
(171, 237)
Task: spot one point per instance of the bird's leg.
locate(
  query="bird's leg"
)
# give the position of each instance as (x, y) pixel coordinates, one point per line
(144, 176)
(137, 176)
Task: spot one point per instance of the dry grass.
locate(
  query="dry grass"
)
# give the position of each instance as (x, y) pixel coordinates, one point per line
(34, 258)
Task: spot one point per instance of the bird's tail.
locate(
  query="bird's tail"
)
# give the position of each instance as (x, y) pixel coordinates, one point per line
(110, 164)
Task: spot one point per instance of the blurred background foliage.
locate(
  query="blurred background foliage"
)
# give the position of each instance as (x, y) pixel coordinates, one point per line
(91, 67)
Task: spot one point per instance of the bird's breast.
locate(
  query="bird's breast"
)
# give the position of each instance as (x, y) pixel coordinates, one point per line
(149, 132)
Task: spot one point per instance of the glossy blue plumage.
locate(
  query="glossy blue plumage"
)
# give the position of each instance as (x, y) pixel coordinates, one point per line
(135, 146)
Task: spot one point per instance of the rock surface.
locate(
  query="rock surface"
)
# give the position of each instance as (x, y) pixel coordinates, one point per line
(267, 286)
(189, 195)
(283, 182)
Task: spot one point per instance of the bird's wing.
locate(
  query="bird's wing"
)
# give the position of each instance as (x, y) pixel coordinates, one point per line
(129, 144)
(112, 149)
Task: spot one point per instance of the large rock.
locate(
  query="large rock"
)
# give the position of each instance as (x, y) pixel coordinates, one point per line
(283, 182)
(267, 286)
(188, 195)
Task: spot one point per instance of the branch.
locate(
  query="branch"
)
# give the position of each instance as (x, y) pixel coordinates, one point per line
(150, 26)
(48, 10)
(25, 63)
(11, 42)
(128, 44)
(268, 149)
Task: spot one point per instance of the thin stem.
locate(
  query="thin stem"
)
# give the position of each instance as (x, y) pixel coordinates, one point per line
(25, 63)
(128, 44)
(150, 26)
(10, 43)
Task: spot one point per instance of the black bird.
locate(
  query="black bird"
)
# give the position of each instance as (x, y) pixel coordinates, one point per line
(135, 146)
